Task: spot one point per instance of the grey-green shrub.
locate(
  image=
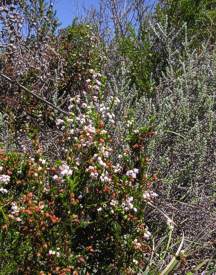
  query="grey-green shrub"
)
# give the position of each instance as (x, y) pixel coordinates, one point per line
(183, 151)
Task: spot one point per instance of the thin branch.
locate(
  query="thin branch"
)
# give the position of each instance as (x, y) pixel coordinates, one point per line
(164, 214)
(33, 94)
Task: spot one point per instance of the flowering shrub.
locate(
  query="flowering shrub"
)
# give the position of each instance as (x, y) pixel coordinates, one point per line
(86, 211)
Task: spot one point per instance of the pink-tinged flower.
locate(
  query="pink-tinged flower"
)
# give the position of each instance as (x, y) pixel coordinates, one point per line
(94, 175)
(132, 173)
(55, 177)
(128, 204)
(93, 172)
(149, 195)
(65, 170)
(90, 129)
(51, 252)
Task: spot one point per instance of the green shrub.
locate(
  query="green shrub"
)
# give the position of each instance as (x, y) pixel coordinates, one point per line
(84, 213)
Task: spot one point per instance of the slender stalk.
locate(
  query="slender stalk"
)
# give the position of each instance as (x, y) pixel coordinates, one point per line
(33, 94)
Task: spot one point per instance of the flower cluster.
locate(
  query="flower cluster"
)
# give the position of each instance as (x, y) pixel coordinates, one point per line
(4, 180)
(128, 204)
(132, 173)
(149, 195)
(65, 170)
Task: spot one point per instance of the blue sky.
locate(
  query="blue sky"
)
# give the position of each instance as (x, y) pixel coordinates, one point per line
(68, 9)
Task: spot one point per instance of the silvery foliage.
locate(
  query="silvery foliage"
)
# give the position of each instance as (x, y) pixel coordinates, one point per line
(183, 153)
(184, 107)
(185, 104)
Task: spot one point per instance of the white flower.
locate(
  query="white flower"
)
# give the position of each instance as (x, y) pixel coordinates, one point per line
(136, 243)
(14, 208)
(51, 252)
(104, 178)
(135, 262)
(90, 168)
(59, 121)
(109, 115)
(55, 177)
(113, 202)
(99, 209)
(128, 205)
(100, 161)
(4, 179)
(65, 170)
(3, 191)
(42, 161)
(94, 175)
(84, 105)
(129, 199)
(135, 209)
(71, 131)
(106, 154)
(90, 129)
(132, 173)
(77, 98)
(117, 168)
(98, 82)
(70, 107)
(112, 121)
(148, 195)
(147, 235)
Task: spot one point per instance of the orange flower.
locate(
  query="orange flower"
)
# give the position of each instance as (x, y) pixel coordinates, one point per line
(106, 189)
(101, 140)
(54, 218)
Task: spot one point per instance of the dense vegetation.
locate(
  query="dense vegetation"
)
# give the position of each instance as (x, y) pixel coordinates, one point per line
(107, 139)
